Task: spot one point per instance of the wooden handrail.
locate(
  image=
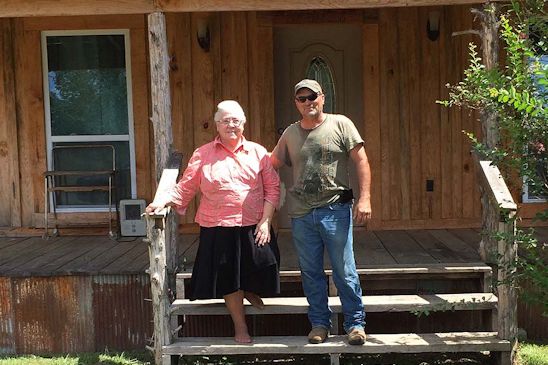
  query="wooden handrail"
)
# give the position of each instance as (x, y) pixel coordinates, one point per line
(498, 191)
(500, 196)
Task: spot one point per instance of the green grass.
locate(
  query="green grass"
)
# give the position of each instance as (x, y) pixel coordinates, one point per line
(528, 354)
(137, 358)
(531, 354)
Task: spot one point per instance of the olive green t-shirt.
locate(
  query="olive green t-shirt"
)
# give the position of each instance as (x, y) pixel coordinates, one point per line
(319, 160)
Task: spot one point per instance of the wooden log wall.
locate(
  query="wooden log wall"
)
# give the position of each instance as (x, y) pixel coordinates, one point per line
(237, 66)
(22, 109)
(410, 139)
(415, 139)
(420, 140)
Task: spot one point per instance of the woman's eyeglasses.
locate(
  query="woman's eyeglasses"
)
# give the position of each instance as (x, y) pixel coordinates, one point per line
(234, 122)
(310, 97)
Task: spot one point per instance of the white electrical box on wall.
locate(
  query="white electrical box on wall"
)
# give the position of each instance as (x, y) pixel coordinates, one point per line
(132, 224)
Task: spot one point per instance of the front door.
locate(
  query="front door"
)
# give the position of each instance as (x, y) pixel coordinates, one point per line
(329, 53)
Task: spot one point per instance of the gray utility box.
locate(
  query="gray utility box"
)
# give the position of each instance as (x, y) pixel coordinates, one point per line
(132, 224)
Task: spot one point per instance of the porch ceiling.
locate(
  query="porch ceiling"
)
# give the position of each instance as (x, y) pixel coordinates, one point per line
(29, 8)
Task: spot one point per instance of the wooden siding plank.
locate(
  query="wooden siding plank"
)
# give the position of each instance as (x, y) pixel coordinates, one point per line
(234, 62)
(409, 97)
(180, 38)
(389, 115)
(203, 80)
(30, 106)
(10, 212)
(141, 123)
(467, 123)
(446, 170)
(430, 118)
(403, 248)
(261, 81)
(454, 75)
(372, 117)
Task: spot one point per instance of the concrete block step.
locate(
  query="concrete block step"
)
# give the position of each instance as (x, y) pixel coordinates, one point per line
(372, 303)
(375, 344)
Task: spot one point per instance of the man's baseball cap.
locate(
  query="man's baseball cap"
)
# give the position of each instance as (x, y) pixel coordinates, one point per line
(309, 84)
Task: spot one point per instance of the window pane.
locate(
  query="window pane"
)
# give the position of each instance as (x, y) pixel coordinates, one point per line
(87, 85)
(320, 71)
(81, 158)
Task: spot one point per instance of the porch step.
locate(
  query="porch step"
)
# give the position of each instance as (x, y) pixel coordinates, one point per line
(372, 303)
(444, 269)
(375, 344)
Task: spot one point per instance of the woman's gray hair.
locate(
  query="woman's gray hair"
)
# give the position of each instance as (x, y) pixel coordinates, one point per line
(230, 107)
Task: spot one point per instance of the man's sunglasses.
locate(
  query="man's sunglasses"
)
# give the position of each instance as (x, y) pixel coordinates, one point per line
(310, 97)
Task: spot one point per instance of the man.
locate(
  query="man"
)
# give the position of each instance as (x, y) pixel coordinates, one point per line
(318, 148)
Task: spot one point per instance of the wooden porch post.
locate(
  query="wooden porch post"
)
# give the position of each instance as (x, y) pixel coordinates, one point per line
(162, 233)
(488, 118)
(9, 152)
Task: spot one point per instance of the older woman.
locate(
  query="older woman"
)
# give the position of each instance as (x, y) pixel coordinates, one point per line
(238, 255)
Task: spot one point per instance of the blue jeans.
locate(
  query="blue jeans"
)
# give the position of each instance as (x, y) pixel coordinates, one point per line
(329, 226)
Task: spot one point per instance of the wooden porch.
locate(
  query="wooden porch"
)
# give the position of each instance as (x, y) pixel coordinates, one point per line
(93, 255)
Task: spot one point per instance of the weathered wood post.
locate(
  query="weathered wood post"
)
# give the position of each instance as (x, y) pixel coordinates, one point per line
(488, 118)
(507, 252)
(162, 230)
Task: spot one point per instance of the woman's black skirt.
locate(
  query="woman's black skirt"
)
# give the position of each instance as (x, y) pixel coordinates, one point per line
(228, 260)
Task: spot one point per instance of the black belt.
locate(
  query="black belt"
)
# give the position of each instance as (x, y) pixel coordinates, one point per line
(344, 196)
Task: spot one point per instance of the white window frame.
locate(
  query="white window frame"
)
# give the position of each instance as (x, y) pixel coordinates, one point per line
(530, 199)
(525, 190)
(50, 140)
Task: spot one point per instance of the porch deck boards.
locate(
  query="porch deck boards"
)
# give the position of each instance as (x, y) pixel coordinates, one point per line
(92, 255)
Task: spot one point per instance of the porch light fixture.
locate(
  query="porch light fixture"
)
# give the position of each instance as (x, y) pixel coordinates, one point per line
(203, 36)
(433, 25)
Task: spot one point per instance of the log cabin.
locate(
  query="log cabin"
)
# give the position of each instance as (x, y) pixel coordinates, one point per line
(76, 95)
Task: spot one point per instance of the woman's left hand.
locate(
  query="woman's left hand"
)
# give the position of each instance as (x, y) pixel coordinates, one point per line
(262, 232)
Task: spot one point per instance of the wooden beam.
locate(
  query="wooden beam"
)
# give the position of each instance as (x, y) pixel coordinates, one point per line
(269, 5)
(31, 8)
(10, 213)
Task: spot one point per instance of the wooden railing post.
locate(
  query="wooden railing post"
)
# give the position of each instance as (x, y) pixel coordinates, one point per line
(507, 254)
(159, 280)
(163, 258)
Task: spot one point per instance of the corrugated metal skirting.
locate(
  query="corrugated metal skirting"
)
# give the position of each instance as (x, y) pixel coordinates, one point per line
(62, 314)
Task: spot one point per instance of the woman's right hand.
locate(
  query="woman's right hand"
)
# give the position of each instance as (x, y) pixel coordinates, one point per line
(154, 208)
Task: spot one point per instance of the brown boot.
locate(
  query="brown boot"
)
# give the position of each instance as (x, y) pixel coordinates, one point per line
(317, 335)
(356, 336)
